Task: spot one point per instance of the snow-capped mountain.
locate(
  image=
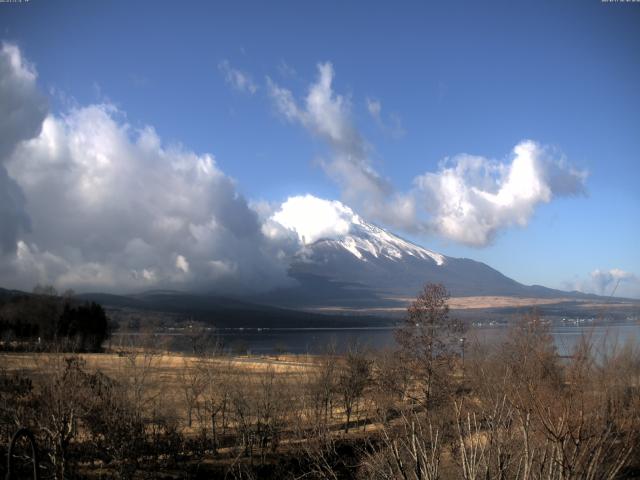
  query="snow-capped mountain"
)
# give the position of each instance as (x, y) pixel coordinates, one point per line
(346, 260)
(368, 242)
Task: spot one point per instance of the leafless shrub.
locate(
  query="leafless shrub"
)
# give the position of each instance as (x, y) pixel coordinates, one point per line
(192, 383)
(409, 450)
(353, 377)
(390, 382)
(216, 398)
(62, 403)
(273, 404)
(319, 391)
(541, 418)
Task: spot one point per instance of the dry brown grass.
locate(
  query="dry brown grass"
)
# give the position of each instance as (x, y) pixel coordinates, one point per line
(458, 303)
(164, 372)
(484, 302)
(163, 366)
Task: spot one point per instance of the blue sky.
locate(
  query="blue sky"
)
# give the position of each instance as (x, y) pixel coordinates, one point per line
(450, 78)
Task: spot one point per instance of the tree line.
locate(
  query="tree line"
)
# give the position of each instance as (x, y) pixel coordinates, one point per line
(45, 320)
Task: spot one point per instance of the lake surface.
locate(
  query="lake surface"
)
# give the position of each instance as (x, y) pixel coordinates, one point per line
(316, 340)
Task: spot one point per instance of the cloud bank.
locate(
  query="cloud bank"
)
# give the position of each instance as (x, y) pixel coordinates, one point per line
(470, 199)
(110, 207)
(22, 110)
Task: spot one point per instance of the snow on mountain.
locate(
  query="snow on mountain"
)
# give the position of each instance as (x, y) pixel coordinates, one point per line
(314, 219)
(367, 238)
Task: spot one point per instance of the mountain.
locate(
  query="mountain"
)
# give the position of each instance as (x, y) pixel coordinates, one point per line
(225, 312)
(364, 265)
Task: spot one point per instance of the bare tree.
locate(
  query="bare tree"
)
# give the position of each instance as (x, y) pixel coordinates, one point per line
(216, 395)
(321, 388)
(115, 427)
(391, 381)
(429, 338)
(273, 403)
(241, 395)
(411, 450)
(192, 384)
(490, 381)
(353, 377)
(203, 340)
(471, 444)
(63, 402)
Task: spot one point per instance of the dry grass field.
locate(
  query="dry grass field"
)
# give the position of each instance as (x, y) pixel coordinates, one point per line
(466, 303)
(254, 402)
(164, 366)
(164, 374)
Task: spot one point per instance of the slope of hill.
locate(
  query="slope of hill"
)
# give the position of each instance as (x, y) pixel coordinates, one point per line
(225, 312)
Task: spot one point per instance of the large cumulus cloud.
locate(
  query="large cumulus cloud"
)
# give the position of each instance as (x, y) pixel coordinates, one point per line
(313, 218)
(113, 208)
(471, 198)
(22, 110)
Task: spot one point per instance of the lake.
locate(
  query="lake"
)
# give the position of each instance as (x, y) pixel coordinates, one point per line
(316, 340)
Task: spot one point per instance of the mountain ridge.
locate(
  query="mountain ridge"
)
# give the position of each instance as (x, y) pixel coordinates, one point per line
(372, 263)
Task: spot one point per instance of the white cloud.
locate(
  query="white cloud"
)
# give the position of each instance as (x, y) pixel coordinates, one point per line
(391, 127)
(22, 109)
(238, 79)
(114, 208)
(313, 218)
(182, 264)
(22, 106)
(325, 114)
(470, 199)
(123, 208)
